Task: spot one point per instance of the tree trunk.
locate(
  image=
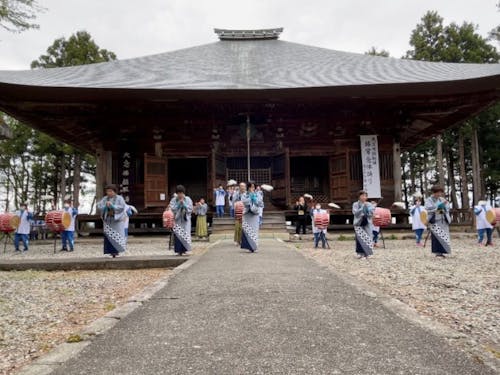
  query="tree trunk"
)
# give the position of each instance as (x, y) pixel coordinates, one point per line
(424, 176)
(396, 160)
(63, 180)
(476, 167)
(439, 160)
(451, 179)
(7, 191)
(463, 175)
(411, 162)
(77, 179)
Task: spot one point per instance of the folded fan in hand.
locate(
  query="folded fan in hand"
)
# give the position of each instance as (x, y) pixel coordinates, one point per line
(308, 196)
(333, 205)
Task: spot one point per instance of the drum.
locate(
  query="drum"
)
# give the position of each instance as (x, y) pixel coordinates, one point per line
(381, 217)
(58, 221)
(168, 219)
(497, 215)
(9, 222)
(424, 218)
(238, 210)
(491, 216)
(321, 220)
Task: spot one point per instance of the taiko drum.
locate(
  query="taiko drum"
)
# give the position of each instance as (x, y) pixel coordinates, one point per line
(497, 216)
(168, 219)
(238, 210)
(58, 221)
(8, 222)
(321, 220)
(381, 217)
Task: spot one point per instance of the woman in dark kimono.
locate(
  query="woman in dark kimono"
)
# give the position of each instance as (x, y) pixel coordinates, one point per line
(438, 210)
(363, 213)
(112, 208)
(250, 223)
(182, 207)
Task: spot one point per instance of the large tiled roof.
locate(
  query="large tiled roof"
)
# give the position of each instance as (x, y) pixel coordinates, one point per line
(249, 64)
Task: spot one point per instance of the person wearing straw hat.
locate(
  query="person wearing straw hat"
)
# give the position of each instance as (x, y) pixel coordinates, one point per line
(230, 193)
(438, 210)
(363, 214)
(482, 224)
(416, 222)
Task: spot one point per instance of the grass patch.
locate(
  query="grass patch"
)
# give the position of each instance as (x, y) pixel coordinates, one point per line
(74, 338)
(109, 306)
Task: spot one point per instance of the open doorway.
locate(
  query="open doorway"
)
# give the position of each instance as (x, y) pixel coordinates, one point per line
(190, 172)
(310, 174)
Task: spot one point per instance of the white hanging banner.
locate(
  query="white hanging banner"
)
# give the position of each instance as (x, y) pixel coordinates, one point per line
(369, 161)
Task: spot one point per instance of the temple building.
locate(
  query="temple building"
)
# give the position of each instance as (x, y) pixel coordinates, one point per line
(307, 119)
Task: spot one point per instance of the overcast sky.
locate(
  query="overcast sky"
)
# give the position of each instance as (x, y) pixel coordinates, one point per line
(138, 28)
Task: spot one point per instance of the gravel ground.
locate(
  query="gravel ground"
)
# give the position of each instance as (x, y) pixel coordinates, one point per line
(39, 309)
(462, 291)
(92, 247)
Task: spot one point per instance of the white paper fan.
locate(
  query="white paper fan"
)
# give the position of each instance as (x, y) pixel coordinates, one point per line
(308, 196)
(333, 205)
(400, 205)
(267, 187)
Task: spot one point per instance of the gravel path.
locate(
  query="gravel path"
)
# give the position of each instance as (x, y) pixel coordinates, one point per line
(39, 309)
(462, 292)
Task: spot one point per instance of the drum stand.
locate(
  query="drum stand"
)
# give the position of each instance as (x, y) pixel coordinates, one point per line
(55, 240)
(170, 240)
(7, 236)
(382, 237)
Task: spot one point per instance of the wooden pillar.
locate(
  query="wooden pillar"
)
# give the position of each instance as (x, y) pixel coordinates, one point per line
(158, 149)
(288, 192)
(103, 176)
(396, 160)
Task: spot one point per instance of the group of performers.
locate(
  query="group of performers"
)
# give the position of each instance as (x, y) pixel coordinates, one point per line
(433, 214)
(115, 213)
(26, 217)
(220, 195)
(246, 233)
(439, 221)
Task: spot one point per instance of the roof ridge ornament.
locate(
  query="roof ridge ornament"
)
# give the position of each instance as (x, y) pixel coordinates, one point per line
(258, 34)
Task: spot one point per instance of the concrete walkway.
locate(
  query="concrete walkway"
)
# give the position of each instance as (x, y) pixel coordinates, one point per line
(273, 312)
